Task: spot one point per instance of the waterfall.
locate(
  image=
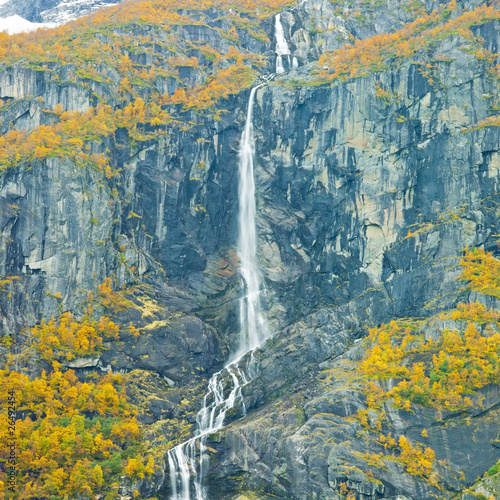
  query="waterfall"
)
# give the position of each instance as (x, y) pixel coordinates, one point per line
(253, 327)
(187, 460)
(281, 45)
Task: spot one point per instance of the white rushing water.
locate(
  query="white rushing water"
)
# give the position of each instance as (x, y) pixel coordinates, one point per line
(281, 45)
(253, 326)
(187, 460)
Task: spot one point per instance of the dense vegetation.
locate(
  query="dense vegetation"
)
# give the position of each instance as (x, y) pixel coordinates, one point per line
(446, 370)
(107, 36)
(107, 46)
(70, 135)
(125, 57)
(423, 362)
(78, 435)
(380, 52)
(73, 437)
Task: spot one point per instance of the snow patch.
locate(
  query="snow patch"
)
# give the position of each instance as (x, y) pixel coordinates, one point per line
(17, 24)
(69, 10)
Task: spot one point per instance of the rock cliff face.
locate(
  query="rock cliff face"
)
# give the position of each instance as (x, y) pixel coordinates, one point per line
(368, 190)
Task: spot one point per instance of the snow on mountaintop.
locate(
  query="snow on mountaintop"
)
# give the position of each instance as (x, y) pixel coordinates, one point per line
(17, 24)
(68, 10)
(49, 11)
(52, 13)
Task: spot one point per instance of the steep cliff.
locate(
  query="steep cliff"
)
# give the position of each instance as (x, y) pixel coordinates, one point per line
(378, 162)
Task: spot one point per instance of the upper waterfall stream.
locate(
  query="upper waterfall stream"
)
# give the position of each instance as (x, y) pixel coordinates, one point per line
(187, 460)
(281, 46)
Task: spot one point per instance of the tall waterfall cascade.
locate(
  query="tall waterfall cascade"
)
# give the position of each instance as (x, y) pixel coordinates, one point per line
(187, 460)
(281, 46)
(253, 326)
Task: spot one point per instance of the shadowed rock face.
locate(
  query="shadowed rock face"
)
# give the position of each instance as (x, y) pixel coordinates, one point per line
(364, 206)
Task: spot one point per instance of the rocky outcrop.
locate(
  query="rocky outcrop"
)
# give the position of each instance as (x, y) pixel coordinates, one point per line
(489, 487)
(308, 442)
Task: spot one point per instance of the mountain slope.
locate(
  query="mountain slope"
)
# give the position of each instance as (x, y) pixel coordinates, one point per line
(377, 165)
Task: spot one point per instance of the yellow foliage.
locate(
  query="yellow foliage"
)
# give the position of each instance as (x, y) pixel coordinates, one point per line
(458, 364)
(68, 137)
(66, 338)
(376, 53)
(452, 368)
(482, 270)
(76, 436)
(416, 461)
(135, 469)
(111, 299)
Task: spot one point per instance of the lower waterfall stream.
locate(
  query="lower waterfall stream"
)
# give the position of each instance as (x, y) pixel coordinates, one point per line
(186, 460)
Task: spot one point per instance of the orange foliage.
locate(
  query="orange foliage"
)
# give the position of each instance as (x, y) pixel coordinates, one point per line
(60, 44)
(68, 137)
(227, 82)
(375, 53)
(490, 121)
(101, 48)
